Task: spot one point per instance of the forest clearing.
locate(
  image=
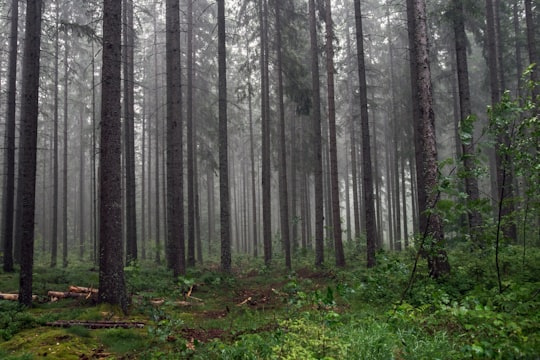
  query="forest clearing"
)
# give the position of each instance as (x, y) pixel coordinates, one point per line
(266, 313)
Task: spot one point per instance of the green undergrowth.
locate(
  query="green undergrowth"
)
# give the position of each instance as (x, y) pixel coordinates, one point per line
(263, 312)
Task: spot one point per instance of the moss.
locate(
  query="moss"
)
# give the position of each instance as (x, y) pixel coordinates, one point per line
(50, 342)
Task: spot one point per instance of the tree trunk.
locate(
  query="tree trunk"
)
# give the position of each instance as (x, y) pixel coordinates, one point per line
(532, 46)
(352, 129)
(266, 175)
(317, 138)
(190, 139)
(421, 197)
(471, 182)
(129, 132)
(253, 169)
(54, 235)
(504, 173)
(9, 185)
(223, 148)
(82, 164)
(175, 187)
(283, 193)
(433, 234)
(28, 146)
(65, 164)
(157, 200)
(112, 288)
(334, 176)
(367, 179)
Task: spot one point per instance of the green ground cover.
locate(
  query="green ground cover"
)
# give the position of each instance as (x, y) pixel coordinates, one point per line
(308, 313)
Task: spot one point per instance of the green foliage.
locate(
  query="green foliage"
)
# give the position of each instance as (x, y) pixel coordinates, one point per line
(122, 340)
(13, 319)
(78, 330)
(351, 313)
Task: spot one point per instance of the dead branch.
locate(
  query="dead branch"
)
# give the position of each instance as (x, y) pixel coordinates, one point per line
(96, 324)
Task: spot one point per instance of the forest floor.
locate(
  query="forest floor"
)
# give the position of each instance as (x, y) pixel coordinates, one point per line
(270, 313)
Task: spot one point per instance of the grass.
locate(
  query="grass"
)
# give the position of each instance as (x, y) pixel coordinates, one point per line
(270, 313)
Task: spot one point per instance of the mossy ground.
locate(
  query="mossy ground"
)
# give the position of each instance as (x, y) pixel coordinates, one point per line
(271, 313)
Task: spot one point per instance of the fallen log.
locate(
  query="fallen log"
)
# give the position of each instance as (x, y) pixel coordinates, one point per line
(13, 297)
(82, 289)
(70, 294)
(96, 324)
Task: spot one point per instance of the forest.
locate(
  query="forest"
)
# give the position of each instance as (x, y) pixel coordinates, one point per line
(270, 179)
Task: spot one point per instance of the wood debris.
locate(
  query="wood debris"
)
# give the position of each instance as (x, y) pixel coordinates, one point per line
(97, 324)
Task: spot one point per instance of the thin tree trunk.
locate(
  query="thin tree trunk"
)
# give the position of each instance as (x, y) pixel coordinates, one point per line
(54, 237)
(65, 164)
(9, 185)
(471, 182)
(82, 224)
(317, 138)
(129, 132)
(143, 179)
(352, 127)
(253, 169)
(157, 200)
(421, 197)
(190, 139)
(266, 176)
(223, 148)
(283, 191)
(367, 179)
(334, 176)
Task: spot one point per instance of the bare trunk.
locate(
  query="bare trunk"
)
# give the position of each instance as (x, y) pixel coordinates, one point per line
(9, 185)
(223, 148)
(433, 233)
(175, 187)
(367, 179)
(283, 193)
(334, 176)
(28, 146)
(317, 138)
(112, 287)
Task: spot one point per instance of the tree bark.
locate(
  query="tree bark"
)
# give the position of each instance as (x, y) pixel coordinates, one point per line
(334, 175)
(190, 139)
(65, 164)
(367, 179)
(28, 146)
(317, 137)
(283, 184)
(266, 175)
(111, 268)
(129, 132)
(471, 182)
(175, 198)
(223, 148)
(433, 234)
(54, 235)
(9, 185)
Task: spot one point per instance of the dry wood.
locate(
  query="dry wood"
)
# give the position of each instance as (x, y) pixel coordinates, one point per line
(69, 294)
(82, 289)
(97, 324)
(13, 297)
(244, 302)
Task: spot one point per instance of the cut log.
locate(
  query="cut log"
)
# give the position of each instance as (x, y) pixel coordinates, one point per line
(82, 289)
(69, 294)
(13, 297)
(97, 324)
